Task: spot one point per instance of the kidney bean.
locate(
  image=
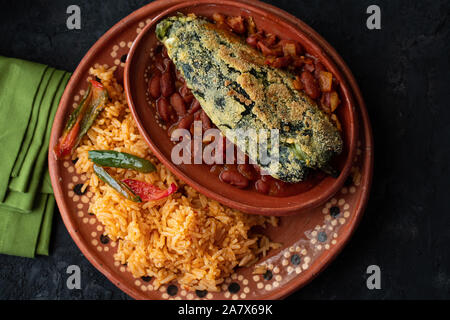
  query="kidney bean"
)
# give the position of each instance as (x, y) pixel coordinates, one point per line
(154, 87)
(186, 94)
(275, 188)
(171, 130)
(185, 123)
(178, 104)
(206, 122)
(197, 115)
(168, 65)
(179, 76)
(216, 169)
(267, 178)
(257, 168)
(310, 84)
(247, 171)
(195, 106)
(262, 186)
(164, 52)
(234, 178)
(159, 64)
(167, 84)
(164, 109)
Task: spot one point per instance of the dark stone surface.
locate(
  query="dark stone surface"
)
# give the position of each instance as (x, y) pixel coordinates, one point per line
(403, 71)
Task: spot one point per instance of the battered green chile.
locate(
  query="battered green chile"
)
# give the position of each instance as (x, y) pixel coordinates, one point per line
(237, 90)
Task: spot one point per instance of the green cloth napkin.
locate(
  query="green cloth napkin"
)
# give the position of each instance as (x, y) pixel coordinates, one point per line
(24, 188)
(19, 84)
(29, 97)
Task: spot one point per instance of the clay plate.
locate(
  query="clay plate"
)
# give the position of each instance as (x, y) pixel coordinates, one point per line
(199, 176)
(310, 240)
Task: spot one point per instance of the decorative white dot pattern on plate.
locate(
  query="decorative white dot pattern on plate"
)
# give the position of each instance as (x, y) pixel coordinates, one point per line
(284, 266)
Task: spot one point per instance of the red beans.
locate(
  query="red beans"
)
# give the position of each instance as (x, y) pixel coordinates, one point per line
(206, 122)
(267, 178)
(247, 171)
(186, 122)
(186, 94)
(178, 104)
(159, 64)
(310, 84)
(168, 65)
(195, 107)
(154, 86)
(234, 178)
(164, 52)
(167, 84)
(262, 186)
(164, 109)
(179, 76)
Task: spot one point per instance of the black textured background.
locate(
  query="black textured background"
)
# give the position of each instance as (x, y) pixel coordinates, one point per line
(403, 72)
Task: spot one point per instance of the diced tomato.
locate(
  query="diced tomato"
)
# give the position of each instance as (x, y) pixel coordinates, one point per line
(97, 84)
(291, 48)
(147, 191)
(236, 24)
(325, 81)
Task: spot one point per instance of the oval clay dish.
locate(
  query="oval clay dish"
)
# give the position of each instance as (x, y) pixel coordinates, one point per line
(199, 176)
(310, 241)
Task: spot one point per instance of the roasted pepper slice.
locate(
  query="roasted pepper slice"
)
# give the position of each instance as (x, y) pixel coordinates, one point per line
(82, 119)
(147, 191)
(115, 159)
(119, 186)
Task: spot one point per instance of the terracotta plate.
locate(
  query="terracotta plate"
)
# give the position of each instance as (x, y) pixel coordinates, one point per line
(199, 176)
(310, 240)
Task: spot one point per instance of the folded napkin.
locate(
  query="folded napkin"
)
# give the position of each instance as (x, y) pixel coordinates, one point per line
(29, 96)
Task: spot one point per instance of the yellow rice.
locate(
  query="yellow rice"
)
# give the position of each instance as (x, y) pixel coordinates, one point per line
(186, 237)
